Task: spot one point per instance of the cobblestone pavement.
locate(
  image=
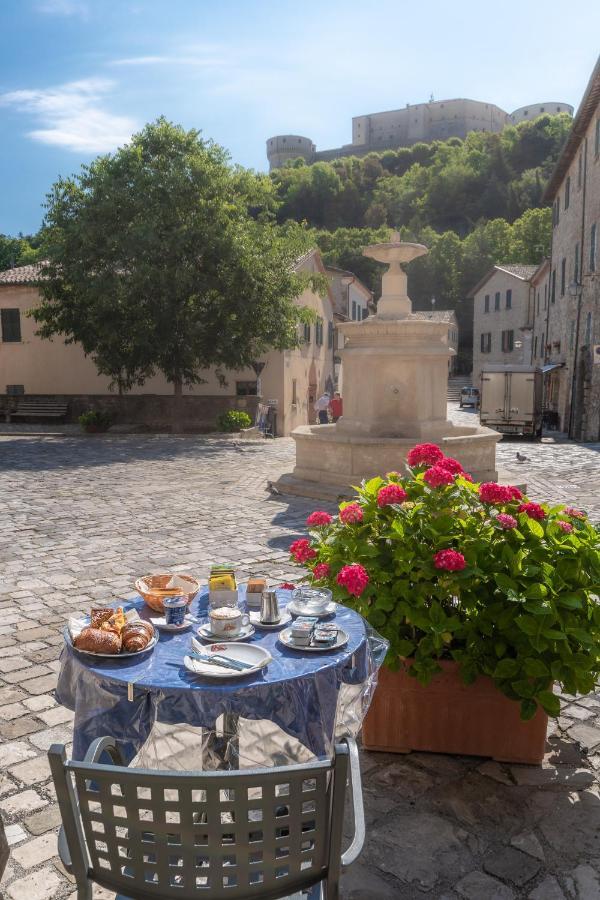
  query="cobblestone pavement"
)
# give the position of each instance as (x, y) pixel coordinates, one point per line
(82, 516)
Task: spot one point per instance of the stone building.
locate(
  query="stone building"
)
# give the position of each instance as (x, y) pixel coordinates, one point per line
(571, 319)
(436, 120)
(35, 367)
(352, 302)
(502, 317)
(449, 317)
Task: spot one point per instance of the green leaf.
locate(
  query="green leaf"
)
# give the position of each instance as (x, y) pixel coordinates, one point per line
(524, 687)
(506, 668)
(528, 624)
(505, 583)
(535, 528)
(535, 668)
(404, 648)
(550, 702)
(528, 709)
(571, 601)
(536, 591)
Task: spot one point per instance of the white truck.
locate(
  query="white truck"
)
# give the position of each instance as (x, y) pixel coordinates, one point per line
(511, 399)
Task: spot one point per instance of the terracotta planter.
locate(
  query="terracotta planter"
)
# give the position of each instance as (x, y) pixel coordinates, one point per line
(447, 716)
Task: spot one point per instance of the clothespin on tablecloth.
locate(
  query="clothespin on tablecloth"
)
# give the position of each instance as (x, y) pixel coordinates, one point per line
(130, 691)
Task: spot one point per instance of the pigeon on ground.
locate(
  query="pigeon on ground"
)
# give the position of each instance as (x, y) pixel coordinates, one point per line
(237, 447)
(272, 489)
(521, 457)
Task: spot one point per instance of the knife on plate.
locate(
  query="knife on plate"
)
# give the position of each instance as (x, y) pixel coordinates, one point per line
(223, 661)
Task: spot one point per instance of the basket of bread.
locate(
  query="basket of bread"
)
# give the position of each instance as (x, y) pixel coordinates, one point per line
(112, 632)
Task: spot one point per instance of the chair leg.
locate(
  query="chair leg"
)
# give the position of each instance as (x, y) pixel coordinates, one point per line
(84, 891)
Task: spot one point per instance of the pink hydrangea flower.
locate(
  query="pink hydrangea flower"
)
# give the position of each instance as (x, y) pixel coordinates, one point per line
(450, 560)
(451, 464)
(507, 522)
(351, 514)
(302, 551)
(319, 517)
(490, 492)
(321, 570)
(533, 510)
(466, 476)
(515, 493)
(424, 455)
(287, 586)
(391, 493)
(574, 513)
(565, 526)
(438, 476)
(354, 578)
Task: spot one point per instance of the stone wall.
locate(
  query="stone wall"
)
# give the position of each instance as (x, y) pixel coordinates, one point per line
(154, 411)
(574, 318)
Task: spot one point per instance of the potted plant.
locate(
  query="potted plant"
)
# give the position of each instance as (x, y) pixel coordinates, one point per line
(487, 600)
(95, 420)
(233, 420)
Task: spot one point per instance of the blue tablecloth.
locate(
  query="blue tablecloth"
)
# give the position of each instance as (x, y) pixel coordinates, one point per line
(297, 691)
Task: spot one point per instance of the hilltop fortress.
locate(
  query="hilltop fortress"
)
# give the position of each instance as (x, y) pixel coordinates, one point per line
(436, 120)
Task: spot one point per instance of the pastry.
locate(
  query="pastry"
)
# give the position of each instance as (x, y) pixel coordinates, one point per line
(116, 622)
(136, 636)
(98, 616)
(97, 640)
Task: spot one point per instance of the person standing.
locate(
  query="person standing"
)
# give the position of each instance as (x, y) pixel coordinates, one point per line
(321, 407)
(336, 406)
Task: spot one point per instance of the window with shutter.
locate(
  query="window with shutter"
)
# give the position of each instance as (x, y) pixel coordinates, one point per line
(509, 299)
(563, 277)
(11, 325)
(486, 304)
(593, 248)
(497, 300)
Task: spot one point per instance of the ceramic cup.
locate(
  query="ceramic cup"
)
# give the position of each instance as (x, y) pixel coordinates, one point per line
(227, 621)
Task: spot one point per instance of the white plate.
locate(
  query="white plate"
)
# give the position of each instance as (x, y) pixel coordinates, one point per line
(161, 624)
(285, 617)
(297, 610)
(206, 634)
(249, 653)
(286, 638)
(121, 655)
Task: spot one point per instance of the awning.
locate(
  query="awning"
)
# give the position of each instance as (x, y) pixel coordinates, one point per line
(551, 366)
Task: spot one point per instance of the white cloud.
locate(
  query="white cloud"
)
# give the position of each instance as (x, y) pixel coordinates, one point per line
(71, 116)
(63, 8)
(205, 58)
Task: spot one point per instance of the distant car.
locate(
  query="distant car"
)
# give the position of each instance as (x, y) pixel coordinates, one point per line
(469, 396)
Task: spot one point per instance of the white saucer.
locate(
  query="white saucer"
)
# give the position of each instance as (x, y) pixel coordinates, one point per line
(295, 610)
(284, 618)
(206, 634)
(161, 624)
(286, 638)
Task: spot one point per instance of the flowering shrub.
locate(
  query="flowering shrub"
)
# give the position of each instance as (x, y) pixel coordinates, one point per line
(319, 517)
(448, 569)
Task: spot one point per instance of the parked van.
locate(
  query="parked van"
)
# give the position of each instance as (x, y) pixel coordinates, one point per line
(511, 399)
(469, 396)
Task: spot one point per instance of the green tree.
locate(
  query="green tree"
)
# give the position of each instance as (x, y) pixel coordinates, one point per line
(164, 258)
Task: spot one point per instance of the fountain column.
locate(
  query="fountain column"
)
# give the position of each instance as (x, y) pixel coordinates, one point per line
(395, 369)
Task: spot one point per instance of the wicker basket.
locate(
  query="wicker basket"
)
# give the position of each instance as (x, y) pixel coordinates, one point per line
(157, 583)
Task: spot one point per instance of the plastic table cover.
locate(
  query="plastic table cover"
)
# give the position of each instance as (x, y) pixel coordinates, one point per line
(311, 698)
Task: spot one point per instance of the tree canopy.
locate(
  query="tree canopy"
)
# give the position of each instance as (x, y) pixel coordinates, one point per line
(163, 257)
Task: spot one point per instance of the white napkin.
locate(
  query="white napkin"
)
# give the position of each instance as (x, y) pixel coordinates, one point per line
(206, 668)
(177, 582)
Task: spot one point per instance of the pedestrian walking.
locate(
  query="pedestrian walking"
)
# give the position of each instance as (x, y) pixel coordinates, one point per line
(321, 407)
(336, 406)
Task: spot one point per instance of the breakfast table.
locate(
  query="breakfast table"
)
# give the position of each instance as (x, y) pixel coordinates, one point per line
(299, 691)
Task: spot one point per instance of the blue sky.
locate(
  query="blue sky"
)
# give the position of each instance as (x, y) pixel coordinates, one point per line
(77, 77)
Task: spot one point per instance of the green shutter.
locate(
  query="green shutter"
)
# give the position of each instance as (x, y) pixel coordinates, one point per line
(11, 325)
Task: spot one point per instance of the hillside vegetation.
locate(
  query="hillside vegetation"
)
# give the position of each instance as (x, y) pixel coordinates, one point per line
(473, 202)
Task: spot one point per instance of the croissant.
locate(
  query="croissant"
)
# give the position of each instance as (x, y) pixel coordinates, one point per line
(136, 636)
(98, 641)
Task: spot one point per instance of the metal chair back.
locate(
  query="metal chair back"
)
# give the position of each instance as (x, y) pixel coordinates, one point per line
(258, 833)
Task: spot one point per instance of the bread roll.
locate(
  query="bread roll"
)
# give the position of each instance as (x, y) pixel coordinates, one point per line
(136, 636)
(100, 615)
(98, 641)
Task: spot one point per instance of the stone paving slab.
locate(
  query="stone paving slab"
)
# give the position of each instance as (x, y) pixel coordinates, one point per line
(83, 516)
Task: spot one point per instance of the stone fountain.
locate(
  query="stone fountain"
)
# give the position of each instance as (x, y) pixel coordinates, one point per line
(395, 386)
